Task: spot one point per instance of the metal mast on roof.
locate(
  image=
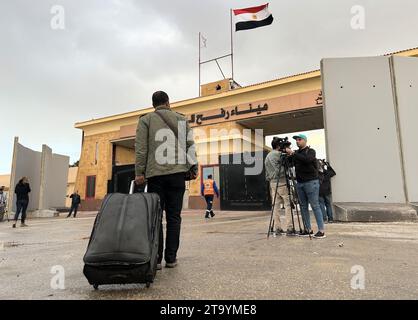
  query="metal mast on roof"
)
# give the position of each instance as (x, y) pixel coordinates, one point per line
(217, 58)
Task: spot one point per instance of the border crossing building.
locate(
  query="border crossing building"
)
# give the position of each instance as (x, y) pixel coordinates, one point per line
(289, 104)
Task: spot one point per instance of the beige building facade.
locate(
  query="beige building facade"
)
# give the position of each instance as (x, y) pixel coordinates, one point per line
(219, 119)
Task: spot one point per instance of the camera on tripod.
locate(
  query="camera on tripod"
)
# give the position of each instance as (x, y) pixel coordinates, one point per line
(282, 143)
(286, 170)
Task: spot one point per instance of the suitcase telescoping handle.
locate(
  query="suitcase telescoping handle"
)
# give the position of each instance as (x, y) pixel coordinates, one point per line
(132, 187)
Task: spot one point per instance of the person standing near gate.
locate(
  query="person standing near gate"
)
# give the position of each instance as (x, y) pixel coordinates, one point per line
(326, 172)
(75, 202)
(307, 186)
(22, 191)
(209, 189)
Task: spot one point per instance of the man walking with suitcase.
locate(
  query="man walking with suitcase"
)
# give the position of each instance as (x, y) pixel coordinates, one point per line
(166, 157)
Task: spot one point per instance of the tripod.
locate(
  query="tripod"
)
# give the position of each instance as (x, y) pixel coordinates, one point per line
(293, 196)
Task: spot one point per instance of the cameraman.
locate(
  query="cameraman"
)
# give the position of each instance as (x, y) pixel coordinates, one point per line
(272, 165)
(307, 186)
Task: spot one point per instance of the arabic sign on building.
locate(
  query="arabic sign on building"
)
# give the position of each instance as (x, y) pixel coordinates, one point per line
(226, 114)
(263, 108)
(258, 109)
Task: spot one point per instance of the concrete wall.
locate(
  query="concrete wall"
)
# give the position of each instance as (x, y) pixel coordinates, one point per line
(405, 72)
(28, 164)
(361, 130)
(371, 118)
(57, 184)
(47, 173)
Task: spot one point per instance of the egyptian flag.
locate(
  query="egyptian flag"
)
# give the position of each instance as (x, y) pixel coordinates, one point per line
(251, 18)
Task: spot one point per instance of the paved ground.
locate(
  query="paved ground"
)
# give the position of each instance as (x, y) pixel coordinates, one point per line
(226, 258)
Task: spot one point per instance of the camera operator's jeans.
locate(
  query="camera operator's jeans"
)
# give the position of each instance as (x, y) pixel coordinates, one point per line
(282, 194)
(308, 193)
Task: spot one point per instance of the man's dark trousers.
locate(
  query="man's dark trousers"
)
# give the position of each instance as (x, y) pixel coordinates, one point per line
(171, 189)
(209, 202)
(21, 206)
(74, 207)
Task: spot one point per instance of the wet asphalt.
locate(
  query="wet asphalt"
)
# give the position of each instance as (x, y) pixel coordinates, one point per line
(228, 257)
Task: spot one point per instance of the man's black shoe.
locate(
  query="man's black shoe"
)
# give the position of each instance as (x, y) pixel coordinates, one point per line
(319, 235)
(305, 233)
(280, 232)
(171, 264)
(212, 214)
(291, 232)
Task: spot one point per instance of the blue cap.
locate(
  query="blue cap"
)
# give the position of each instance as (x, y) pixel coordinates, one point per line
(301, 136)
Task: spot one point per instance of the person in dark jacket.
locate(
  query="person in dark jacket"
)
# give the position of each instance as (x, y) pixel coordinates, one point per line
(22, 191)
(75, 202)
(326, 172)
(306, 166)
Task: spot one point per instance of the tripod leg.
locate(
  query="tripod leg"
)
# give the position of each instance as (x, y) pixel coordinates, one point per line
(274, 204)
(297, 213)
(271, 216)
(290, 188)
(290, 201)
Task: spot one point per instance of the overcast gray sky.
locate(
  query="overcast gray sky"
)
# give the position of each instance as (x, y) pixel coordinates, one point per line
(113, 54)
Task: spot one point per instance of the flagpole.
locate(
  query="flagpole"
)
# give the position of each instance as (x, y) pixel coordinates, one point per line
(200, 63)
(232, 47)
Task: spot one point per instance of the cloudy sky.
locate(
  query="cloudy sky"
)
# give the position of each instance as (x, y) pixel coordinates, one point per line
(113, 54)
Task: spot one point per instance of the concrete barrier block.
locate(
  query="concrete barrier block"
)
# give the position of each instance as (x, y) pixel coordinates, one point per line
(374, 212)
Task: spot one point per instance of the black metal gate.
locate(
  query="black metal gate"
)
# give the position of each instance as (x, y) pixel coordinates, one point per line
(240, 191)
(121, 179)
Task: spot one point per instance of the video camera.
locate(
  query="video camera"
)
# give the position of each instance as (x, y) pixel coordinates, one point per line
(282, 143)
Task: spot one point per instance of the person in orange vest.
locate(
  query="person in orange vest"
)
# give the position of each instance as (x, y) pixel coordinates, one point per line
(209, 189)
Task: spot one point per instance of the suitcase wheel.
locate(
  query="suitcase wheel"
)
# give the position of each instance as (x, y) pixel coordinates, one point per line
(148, 284)
(96, 286)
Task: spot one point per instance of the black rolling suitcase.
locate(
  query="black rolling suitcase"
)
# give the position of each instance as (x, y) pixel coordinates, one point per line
(123, 246)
